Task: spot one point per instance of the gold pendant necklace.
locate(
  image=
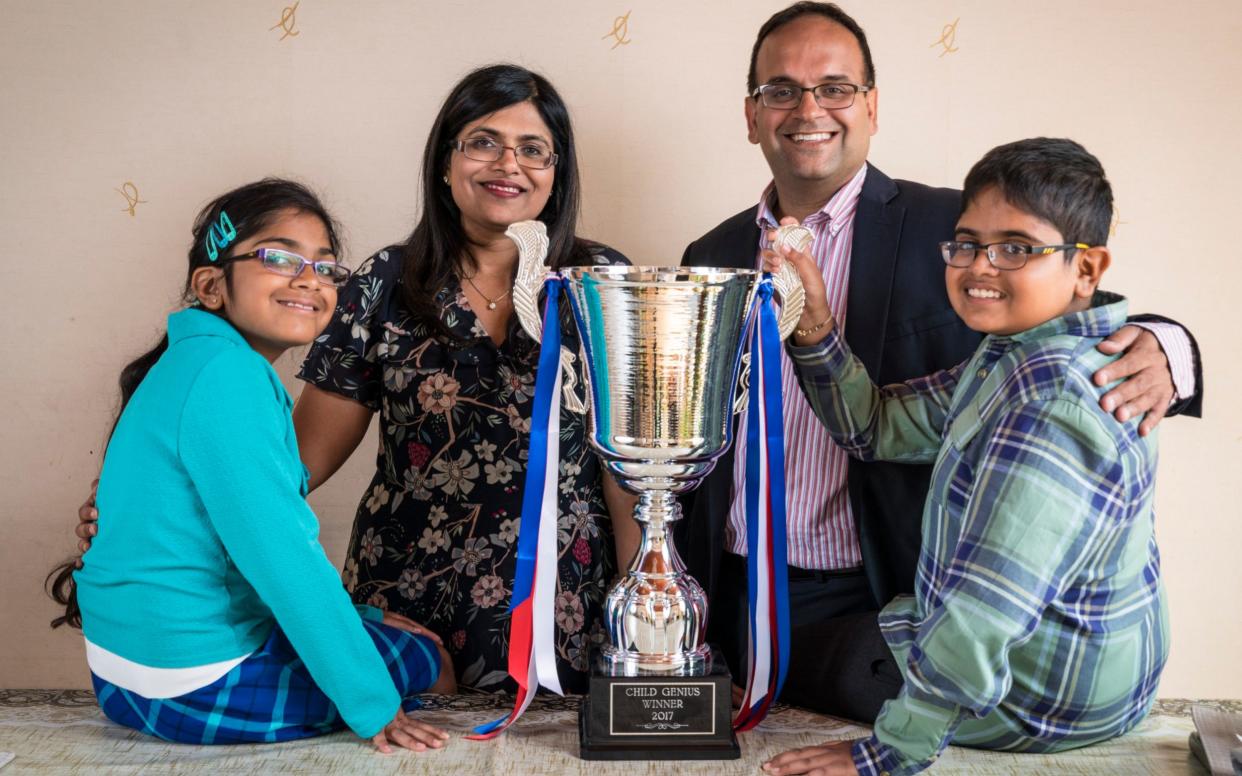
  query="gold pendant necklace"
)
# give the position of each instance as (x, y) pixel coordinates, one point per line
(491, 303)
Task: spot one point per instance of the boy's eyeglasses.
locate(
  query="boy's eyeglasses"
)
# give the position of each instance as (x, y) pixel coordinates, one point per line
(291, 265)
(486, 149)
(1002, 255)
(830, 96)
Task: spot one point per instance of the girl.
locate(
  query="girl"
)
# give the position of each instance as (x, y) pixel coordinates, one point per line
(210, 611)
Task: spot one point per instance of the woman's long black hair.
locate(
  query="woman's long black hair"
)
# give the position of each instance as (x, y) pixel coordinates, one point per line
(249, 209)
(438, 243)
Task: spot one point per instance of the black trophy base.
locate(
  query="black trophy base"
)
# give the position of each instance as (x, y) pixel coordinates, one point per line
(658, 717)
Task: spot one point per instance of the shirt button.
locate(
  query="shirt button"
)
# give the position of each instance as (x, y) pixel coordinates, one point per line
(982, 373)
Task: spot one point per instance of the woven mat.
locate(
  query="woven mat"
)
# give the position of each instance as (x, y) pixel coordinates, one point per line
(62, 732)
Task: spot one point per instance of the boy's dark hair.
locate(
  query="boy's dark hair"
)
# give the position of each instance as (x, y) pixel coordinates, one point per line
(250, 208)
(830, 11)
(1055, 179)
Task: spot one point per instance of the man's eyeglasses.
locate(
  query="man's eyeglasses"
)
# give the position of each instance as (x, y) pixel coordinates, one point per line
(291, 264)
(1002, 255)
(834, 95)
(536, 156)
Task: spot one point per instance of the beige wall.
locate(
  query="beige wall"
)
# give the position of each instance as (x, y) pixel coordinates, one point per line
(188, 99)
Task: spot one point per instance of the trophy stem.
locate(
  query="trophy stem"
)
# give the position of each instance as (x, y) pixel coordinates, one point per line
(655, 510)
(657, 614)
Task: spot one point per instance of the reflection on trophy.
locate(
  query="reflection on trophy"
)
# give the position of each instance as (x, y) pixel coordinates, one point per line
(661, 353)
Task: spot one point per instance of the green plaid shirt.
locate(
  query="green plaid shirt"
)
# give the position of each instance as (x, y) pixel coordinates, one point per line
(1039, 620)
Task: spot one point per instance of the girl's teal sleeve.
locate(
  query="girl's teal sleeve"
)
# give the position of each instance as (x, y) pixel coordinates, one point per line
(234, 440)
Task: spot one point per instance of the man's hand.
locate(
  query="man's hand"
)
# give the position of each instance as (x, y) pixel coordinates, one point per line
(831, 758)
(409, 733)
(86, 528)
(816, 316)
(1147, 389)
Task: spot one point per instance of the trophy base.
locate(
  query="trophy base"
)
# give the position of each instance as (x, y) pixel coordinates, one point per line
(658, 716)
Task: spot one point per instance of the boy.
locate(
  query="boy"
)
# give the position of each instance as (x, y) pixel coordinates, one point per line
(1039, 620)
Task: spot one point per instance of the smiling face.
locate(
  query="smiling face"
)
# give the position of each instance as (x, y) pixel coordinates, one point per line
(1006, 302)
(813, 152)
(493, 195)
(274, 312)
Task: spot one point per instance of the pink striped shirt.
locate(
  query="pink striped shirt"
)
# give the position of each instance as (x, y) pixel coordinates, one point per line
(820, 523)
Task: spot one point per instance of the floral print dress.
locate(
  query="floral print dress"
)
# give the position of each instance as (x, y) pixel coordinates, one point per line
(435, 536)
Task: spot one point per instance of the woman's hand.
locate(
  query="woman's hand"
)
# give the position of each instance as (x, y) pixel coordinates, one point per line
(409, 733)
(86, 528)
(446, 682)
(401, 622)
(816, 317)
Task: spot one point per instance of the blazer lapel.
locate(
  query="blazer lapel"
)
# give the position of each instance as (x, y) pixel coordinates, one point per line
(873, 260)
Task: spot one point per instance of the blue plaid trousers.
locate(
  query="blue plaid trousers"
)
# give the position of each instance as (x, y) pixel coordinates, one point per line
(269, 696)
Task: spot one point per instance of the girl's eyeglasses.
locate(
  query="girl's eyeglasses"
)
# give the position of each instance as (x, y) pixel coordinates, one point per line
(291, 265)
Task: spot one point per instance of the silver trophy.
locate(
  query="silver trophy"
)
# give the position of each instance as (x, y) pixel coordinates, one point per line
(662, 350)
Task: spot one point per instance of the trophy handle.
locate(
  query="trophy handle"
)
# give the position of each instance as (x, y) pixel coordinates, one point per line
(788, 286)
(743, 379)
(786, 282)
(531, 238)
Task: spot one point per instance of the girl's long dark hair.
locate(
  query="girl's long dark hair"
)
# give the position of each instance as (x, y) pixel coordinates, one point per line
(250, 208)
(438, 243)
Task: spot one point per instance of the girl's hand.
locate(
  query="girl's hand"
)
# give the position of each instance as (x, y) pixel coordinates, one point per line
(816, 311)
(400, 622)
(409, 733)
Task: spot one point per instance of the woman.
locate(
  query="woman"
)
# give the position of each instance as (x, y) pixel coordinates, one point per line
(424, 334)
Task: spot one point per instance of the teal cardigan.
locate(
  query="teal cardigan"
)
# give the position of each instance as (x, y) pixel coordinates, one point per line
(206, 540)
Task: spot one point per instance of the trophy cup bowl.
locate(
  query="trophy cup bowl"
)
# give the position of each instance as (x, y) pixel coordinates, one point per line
(662, 349)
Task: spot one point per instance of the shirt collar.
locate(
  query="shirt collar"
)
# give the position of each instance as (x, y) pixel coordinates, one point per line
(193, 322)
(836, 212)
(1106, 315)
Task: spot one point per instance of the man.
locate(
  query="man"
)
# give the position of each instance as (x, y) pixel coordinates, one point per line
(854, 527)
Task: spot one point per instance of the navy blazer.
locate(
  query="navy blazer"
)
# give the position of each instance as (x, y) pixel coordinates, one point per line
(900, 325)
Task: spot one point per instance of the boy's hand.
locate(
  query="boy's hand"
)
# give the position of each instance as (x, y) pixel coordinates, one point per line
(86, 528)
(1148, 387)
(815, 311)
(409, 733)
(831, 758)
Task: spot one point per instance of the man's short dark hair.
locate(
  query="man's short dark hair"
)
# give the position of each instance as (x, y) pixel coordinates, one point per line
(830, 11)
(1054, 179)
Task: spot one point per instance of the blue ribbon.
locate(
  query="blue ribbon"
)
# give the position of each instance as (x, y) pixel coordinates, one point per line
(536, 464)
(536, 461)
(766, 339)
(774, 402)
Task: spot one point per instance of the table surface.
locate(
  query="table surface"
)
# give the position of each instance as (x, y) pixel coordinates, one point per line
(62, 731)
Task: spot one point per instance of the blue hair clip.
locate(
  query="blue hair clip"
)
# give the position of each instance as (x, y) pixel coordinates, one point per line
(219, 235)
